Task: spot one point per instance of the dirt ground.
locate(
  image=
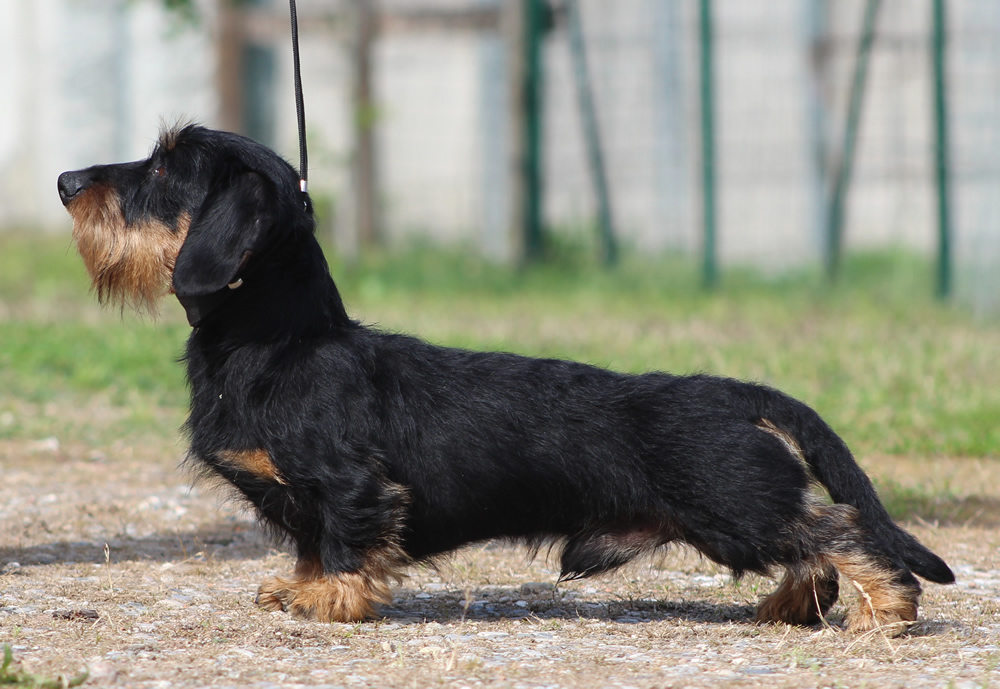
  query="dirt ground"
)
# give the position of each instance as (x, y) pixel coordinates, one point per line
(110, 561)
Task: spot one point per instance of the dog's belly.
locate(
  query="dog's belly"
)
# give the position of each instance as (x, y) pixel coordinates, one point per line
(433, 528)
(450, 512)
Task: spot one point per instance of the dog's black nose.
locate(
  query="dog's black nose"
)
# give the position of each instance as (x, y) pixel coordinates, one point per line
(71, 184)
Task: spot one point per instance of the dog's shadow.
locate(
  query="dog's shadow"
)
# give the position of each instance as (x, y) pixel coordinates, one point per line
(242, 541)
(550, 605)
(550, 612)
(495, 604)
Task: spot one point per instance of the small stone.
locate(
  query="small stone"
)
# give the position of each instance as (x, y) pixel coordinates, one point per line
(170, 603)
(85, 615)
(50, 444)
(101, 671)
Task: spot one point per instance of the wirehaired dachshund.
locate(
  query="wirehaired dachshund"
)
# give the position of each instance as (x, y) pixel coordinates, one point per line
(371, 451)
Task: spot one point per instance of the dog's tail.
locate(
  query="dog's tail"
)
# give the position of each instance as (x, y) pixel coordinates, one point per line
(833, 465)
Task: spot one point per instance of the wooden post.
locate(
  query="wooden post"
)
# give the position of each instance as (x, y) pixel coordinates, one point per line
(365, 172)
(229, 67)
(817, 88)
(512, 27)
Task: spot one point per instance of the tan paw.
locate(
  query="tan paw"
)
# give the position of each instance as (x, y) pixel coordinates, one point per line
(340, 597)
(890, 622)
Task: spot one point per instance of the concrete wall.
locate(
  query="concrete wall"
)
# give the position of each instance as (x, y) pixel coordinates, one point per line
(87, 81)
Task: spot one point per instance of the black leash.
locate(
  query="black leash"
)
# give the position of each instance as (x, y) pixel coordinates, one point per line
(197, 308)
(300, 108)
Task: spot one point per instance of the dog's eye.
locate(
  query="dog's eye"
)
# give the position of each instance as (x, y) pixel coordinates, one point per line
(160, 172)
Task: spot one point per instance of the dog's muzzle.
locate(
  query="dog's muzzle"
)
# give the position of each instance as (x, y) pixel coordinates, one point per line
(71, 184)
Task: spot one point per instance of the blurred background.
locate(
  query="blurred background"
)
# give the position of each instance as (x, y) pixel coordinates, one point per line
(804, 193)
(772, 134)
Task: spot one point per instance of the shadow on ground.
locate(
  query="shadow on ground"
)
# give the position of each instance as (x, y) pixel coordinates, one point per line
(493, 604)
(221, 542)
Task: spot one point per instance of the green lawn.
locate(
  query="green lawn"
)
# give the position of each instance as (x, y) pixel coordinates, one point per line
(891, 370)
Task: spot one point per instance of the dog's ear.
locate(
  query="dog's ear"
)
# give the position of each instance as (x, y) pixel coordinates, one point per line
(228, 227)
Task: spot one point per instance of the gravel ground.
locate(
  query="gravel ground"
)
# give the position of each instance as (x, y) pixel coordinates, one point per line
(110, 561)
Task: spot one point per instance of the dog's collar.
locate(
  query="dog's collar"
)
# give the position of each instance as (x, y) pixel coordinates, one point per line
(197, 308)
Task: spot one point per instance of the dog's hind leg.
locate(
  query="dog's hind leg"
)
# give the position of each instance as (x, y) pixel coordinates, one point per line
(804, 596)
(888, 591)
(887, 595)
(592, 552)
(836, 542)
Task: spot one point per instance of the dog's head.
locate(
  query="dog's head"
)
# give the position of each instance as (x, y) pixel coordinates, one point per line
(192, 219)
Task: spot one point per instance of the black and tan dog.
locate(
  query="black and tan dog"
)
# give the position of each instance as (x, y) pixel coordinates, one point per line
(371, 451)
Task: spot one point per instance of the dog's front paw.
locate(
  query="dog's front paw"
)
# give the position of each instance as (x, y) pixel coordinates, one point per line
(340, 597)
(274, 594)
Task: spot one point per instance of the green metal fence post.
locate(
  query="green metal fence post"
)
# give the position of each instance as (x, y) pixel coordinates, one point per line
(534, 29)
(592, 135)
(835, 226)
(941, 151)
(706, 74)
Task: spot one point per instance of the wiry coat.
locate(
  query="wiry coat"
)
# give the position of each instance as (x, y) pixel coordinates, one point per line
(372, 450)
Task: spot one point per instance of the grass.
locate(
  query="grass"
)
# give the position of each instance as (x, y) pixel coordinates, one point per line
(894, 372)
(12, 676)
(40, 360)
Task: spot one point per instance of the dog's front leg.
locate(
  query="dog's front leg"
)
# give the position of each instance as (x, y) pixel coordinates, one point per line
(347, 542)
(344, 517)
(325, 596)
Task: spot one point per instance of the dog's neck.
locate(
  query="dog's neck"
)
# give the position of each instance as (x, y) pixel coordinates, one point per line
(275, 299)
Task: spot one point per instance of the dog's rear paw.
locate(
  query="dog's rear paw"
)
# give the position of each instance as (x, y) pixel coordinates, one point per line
(802, 598)
(889, 622)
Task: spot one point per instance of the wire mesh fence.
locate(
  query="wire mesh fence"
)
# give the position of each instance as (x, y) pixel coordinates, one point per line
(440, 115)
(782, 71)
